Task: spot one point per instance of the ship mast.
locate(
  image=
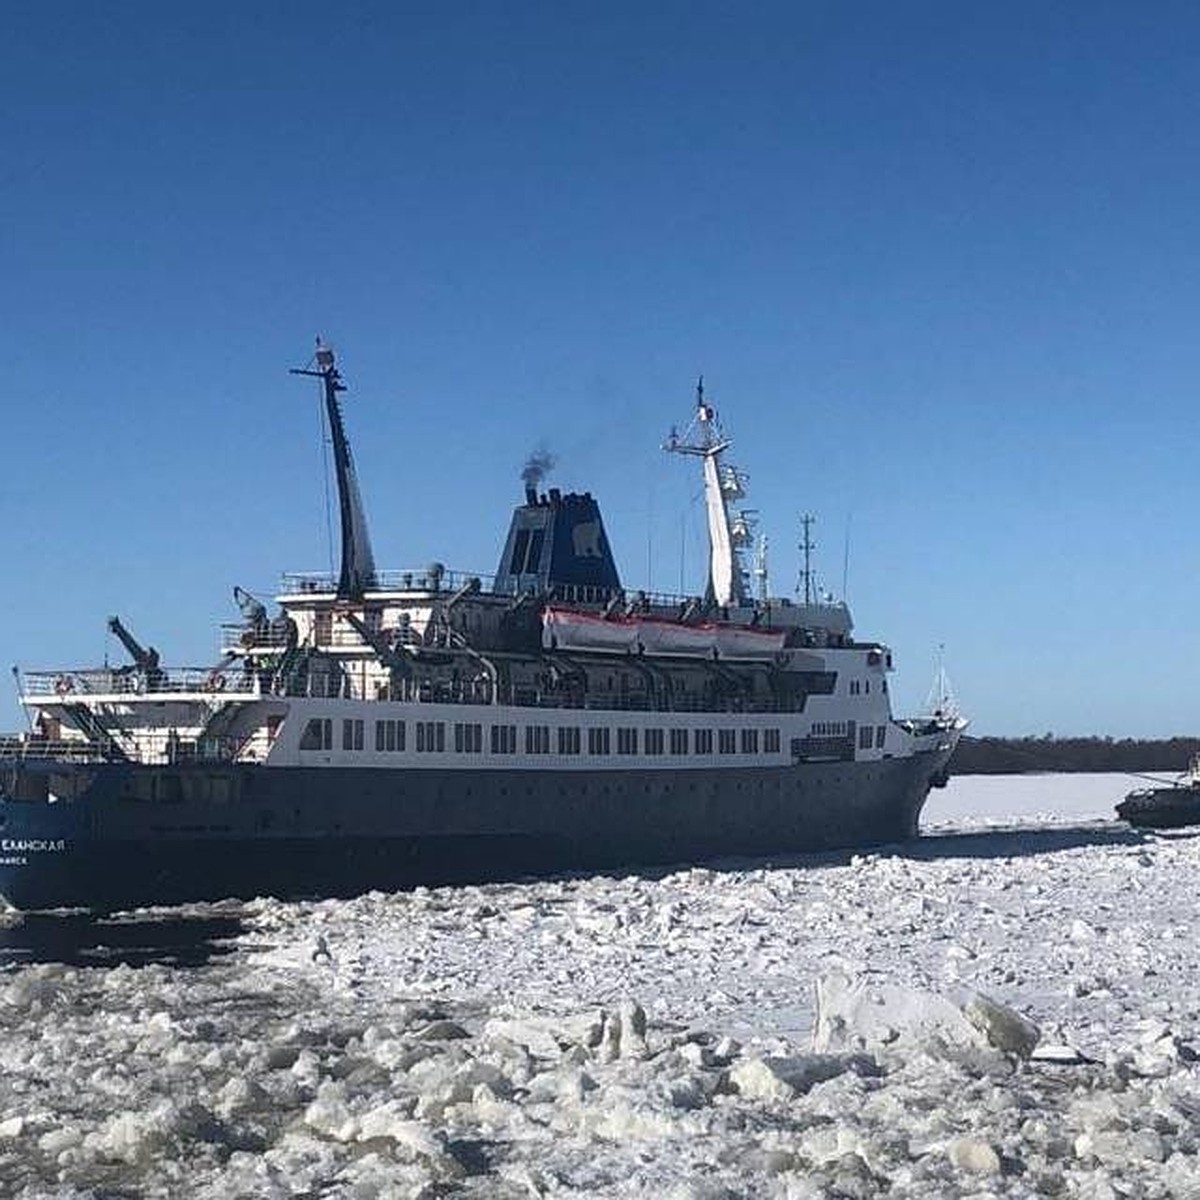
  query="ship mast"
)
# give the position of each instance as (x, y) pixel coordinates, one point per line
(358, 562)
(722, 483)
(807, 546)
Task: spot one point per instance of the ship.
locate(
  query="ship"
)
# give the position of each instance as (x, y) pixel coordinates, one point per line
(391, 729)
(1168, 805)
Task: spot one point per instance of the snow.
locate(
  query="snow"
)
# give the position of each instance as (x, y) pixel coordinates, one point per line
(1004, 1008)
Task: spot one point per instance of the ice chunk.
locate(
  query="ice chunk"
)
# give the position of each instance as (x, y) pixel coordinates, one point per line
(855, 1014)
(1004, 1027)
(863, 1015)
(623, 1033)
(972, 1154)
(778, 1078)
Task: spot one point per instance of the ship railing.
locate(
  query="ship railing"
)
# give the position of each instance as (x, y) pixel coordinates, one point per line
(27, 746)
(425, 579)
(241, 637)
(67, 684)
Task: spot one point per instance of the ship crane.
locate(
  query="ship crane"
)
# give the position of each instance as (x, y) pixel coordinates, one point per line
(145, 659)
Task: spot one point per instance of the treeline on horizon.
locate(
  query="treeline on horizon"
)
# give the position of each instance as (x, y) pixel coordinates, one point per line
(1006, 756)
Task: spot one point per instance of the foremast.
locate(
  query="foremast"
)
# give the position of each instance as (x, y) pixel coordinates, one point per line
(357, 573)
(727, 535)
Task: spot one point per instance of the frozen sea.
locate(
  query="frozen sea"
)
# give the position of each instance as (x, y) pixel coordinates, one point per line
(1009, 1007)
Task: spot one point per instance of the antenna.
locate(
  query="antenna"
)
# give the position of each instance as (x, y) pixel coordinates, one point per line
(846, 562)
(760, 567)
(804, 585)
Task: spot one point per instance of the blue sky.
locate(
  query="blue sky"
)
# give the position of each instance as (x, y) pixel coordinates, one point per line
(937, 262)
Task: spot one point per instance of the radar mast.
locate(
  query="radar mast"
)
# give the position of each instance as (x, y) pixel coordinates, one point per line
(723, 483)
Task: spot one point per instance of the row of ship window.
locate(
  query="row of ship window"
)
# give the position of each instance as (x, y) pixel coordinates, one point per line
(467, 738)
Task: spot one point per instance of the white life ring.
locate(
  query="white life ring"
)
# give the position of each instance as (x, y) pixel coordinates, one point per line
(63, 685)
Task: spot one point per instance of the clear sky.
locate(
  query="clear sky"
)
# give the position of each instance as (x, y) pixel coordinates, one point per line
(938, 263)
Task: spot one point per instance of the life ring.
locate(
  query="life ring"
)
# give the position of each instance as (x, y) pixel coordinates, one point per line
(63, 684)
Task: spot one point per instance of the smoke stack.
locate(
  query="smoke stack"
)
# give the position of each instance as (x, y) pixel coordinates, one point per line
(537, 466)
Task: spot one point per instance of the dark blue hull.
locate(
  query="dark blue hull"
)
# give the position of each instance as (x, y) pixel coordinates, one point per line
(163, 835)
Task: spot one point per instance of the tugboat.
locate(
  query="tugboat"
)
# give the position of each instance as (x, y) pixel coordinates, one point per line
(389, 729)
(1169, 806)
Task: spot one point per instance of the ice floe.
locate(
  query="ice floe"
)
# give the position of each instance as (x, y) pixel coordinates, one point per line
(1009, 1015)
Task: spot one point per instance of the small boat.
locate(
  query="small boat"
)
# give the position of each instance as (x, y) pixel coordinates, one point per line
(1168, 806)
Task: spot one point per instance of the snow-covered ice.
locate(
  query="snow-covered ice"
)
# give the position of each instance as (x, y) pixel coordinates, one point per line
(1009, 1007)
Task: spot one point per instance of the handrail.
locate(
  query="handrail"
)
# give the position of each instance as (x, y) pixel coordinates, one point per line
(24, 747)
(67, 684)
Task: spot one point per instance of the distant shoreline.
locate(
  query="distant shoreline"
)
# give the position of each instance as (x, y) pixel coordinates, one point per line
(1006, 756)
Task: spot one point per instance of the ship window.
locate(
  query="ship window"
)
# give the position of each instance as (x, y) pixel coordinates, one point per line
(504, 739)
(568, 739)
(537, 739)
(318, 734)
(679, 741)
(431, 736)
(627, 741)
(323, 627)
(749, 741)
(770, 741)
(880, 736)
(389, 735)
(352, 734)
(727, 741)
(866, 735)
(520, 549)
(654, 741)
(468, 738)
(598, 741)
(704, 741)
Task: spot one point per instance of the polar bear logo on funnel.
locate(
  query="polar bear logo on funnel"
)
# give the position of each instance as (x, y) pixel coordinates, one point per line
(586, 540)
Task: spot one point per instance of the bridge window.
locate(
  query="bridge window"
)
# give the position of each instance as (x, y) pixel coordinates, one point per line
(654, 741)
(568, 739)
(598, 741)
(866, 735)
(537, 739)
(627, 741)
(727, 741)
(749, 741)
(880, 736)
(704, 741)
(770, 741)
(352, 734)
(679, 741)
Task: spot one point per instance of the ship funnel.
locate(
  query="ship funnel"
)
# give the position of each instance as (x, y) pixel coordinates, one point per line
(558, 544)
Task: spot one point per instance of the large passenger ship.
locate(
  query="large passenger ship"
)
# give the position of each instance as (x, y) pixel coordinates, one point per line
(387, 729)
